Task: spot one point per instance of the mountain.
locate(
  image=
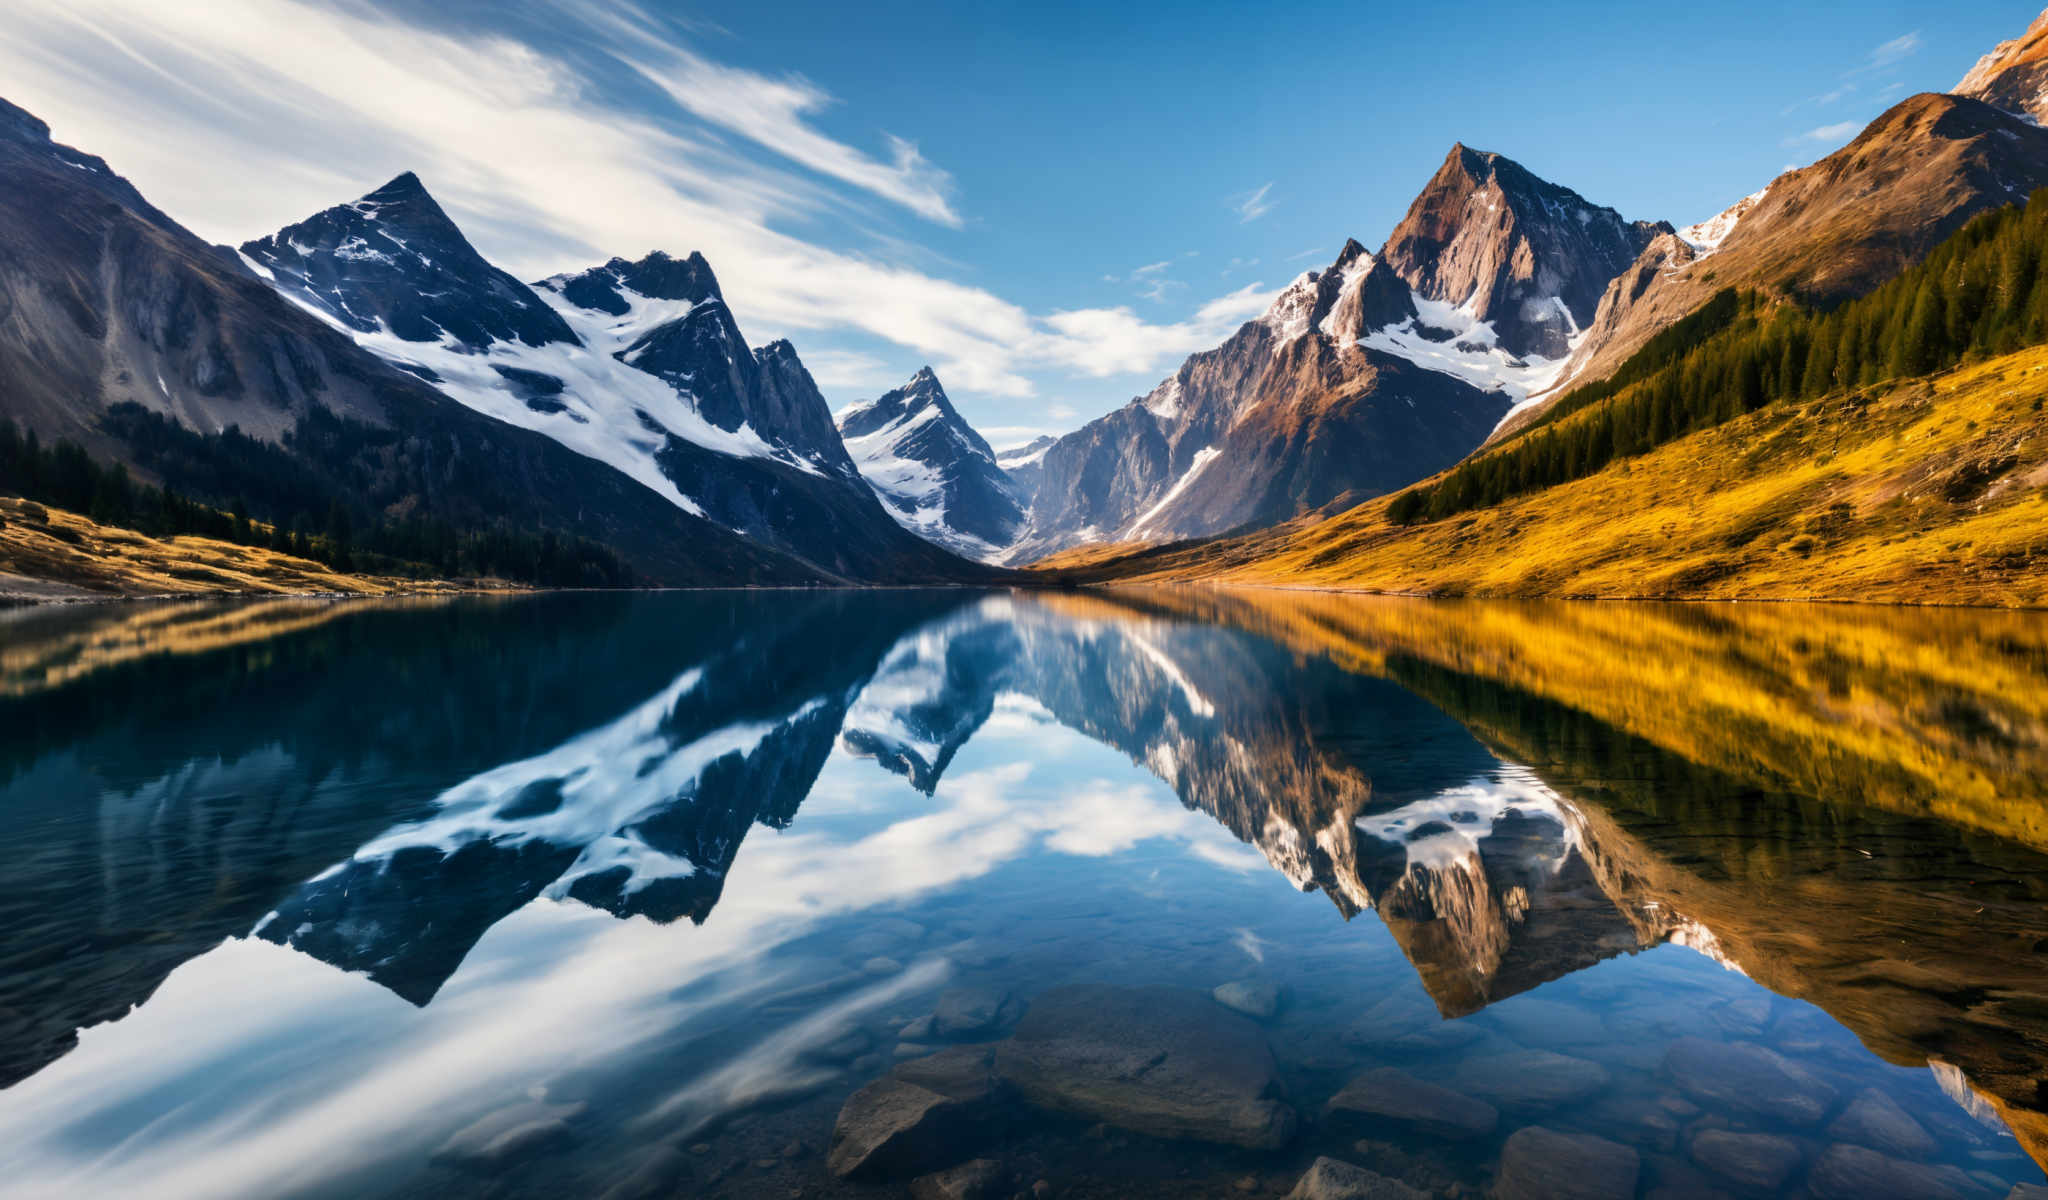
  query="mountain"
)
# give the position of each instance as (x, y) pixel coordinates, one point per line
(638, 365)
(2014, 76)
(936, 475)
(127, 334)
(1360, 378)
(1825, 233)
(1025, 465)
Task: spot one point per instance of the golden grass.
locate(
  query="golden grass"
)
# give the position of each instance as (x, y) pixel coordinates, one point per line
(1929, 491)
(48, 553)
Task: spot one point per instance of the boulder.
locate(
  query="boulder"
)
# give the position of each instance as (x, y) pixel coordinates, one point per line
(891, 1128)
(1330, 1179)
(1256, 999)
(1160, 1061)
(963, 1073)
(1746, 1079)
(1389, 1097)
(980, 1179)
(1758, 1162)
(509, 1134)
(1875, 1120)
(969, 1012)
(1530, 1080)
(1847, 1172)
(1543, 1164)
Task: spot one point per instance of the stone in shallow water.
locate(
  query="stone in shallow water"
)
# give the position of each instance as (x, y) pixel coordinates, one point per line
(970, 1012)
(980, 1179)
(1543, 1164)
(892, 1128)
(1875, 1120)
(1256, 999)
(1757, 1161)
(1330, 1179)
(1744, 1078)
(509, 1134)
(1847, 1172)
(964, 1073)
(1530, 1080)
(1388, 1096)
(1161, 1061)
(1537, 1022)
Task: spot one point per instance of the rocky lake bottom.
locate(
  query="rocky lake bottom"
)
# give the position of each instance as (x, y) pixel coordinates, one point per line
(957, 896)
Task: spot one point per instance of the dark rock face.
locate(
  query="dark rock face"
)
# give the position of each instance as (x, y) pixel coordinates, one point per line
(106, 301)
(1528, 256)
(394, 260)
(1159, 1061)
(1543, 1164)
(932, 469)
(1293, 413)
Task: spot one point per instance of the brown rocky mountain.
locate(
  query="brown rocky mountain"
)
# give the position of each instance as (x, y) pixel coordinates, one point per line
(2014, 76)
(1360, 378)
(1824, 233)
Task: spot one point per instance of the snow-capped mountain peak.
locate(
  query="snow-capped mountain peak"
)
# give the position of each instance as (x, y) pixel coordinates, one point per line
(932, 471)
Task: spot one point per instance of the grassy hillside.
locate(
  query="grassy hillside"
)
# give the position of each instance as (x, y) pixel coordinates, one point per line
(50, 554)
(1930, 490)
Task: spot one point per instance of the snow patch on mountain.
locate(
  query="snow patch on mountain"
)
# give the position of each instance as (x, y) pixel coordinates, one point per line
(1202, 459)
(1706, 236)
(1450, 339)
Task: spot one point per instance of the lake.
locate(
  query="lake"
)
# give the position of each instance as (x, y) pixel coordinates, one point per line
(941, 893)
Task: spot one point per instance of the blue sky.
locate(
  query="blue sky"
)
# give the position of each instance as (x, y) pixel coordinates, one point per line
(1051, 203)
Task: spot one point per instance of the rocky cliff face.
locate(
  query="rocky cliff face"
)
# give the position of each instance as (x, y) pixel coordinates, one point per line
(1025, 465)
(109, 302)
(1825, 233)
(1528, 257)
(934, 472)
(2014, 76)
(640, 366)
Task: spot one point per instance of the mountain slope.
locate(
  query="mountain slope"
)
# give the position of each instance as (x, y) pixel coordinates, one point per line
(937, 476)
(1825, 233)
(112, 310)
(1360, 378)
(2014, 76)
(1025, 465)
(638, 365)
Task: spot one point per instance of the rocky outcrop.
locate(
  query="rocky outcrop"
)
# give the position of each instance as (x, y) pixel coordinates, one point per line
(1158, 1061)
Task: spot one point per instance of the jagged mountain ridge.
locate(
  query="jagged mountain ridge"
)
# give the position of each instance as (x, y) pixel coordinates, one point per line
(109, 302)
(933, 471)
(1360, 378)
(638, 365)
(1824, 233)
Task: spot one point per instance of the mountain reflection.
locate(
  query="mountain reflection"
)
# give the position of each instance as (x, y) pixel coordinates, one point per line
(1845, 807)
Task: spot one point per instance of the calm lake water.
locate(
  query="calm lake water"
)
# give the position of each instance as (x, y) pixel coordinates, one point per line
(1148, 894)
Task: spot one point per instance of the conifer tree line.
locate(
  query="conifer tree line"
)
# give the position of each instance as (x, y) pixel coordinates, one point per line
(1982, 292)
(296, 513)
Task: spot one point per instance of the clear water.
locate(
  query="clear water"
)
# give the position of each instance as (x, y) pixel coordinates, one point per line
(628, 894)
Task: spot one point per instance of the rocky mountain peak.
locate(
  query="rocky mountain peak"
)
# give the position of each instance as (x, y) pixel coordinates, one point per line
(1527, 256)
(933, 471)
(658, 276)
(2014, 76)
(395, 261)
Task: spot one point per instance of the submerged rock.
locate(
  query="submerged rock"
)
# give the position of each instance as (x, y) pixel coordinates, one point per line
(892, 1128)
(1875, 1120)
(1160, 1061)
(980, 1179)
(964, 1013)
(510, 1133)
(657, 1172)
(1388, 1096)
(1744, 1078)
(1759, 1162)
(1330, 1179)
(1256, 999)
(1543, 1164)
(1856, 1173)
(963, 1073)
(1531, 1080)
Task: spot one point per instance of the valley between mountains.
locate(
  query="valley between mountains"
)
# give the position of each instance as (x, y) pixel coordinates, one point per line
(1831, 390)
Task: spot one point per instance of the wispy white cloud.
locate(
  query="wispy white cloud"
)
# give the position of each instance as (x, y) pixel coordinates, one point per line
(1254, 204)
(1311, 252)
(240, 116)
(1897, 50)
(1825, 133)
